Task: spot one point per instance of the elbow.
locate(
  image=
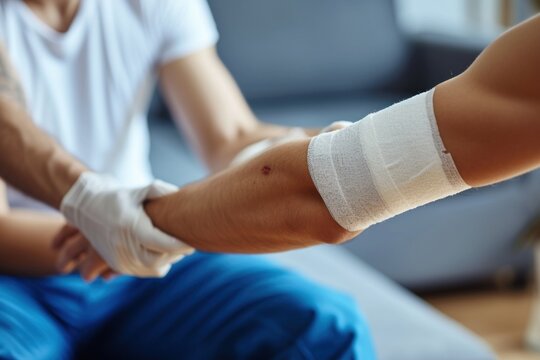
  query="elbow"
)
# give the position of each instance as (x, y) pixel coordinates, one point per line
(316, 223)
(335, 235)
(316, 229)
(328, 231)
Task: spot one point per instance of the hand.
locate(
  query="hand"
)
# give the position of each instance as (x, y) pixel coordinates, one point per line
(259, 147)
(113, 220)
(336, 125)
(253, 150)
(76, 253)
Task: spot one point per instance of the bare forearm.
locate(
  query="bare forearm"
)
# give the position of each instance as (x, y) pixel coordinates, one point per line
(25, 241)
(488, 119)
(30, 160)
(268, 204)
(208, 105)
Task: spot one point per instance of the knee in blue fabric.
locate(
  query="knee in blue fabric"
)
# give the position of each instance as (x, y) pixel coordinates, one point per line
(279, 314)
(26, 330)
(230, 307)
(322, 324)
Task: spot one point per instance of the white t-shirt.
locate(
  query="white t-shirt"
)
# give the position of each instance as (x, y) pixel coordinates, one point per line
(90, 87)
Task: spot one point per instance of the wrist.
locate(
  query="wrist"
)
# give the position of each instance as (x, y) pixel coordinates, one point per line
(167, 213)
(67, 173)
(86, 187)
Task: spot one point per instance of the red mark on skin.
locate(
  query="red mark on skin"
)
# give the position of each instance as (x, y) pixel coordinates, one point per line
(266, 170)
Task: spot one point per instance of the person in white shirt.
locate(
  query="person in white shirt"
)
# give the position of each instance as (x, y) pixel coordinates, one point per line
(36, 164)
(476, 129)
(87, 69)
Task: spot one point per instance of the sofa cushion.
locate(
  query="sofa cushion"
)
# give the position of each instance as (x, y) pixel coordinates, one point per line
(292, 47)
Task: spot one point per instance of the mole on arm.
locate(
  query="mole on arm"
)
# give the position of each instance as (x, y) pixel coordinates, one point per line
(265, 170)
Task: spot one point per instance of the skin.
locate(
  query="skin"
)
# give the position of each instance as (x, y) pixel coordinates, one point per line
(207, 105)
(492, 132)
(41, 169)
(489, 120)
(271, 204)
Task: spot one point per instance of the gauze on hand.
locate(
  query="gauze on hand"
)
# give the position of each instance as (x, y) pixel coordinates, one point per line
(113, 219)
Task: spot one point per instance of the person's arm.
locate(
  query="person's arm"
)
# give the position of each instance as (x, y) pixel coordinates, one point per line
(489, 119)
(109, 215)
(489, 116)
(30, 160)
(25, 243)
(268, 204)
(26, 239)
(208, 105)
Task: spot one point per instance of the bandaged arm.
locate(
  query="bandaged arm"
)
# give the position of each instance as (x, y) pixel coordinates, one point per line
(482, 128)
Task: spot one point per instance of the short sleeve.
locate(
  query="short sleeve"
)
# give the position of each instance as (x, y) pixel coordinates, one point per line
(182, 27)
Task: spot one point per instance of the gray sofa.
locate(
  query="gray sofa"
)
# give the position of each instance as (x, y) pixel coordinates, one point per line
(309, 62)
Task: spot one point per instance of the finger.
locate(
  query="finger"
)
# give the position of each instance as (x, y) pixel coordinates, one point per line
(71, 252)
(166, 259)
(65, 233)
(72, 265)
(154, 272)
(173, 259)
(109, 274)
(92, 266)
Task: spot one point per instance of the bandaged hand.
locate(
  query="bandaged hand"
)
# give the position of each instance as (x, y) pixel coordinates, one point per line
(113, 220)
(75, 252)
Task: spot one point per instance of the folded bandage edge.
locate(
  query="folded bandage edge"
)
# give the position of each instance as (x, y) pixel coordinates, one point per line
(387, 163)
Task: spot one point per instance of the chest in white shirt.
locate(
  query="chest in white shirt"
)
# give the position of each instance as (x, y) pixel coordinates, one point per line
(89, 87)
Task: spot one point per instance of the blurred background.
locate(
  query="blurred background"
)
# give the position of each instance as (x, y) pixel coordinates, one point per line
(478, 18)
(311, 62)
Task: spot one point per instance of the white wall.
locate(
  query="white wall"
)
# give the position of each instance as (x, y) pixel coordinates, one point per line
(457, 17)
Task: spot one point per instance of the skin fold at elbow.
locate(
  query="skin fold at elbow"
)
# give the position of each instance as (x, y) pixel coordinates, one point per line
(334, 234)
(325, 230)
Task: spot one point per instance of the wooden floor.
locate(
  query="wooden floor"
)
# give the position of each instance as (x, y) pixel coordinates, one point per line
(500, 317)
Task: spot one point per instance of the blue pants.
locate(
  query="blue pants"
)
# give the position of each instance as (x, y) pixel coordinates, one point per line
(208, 307)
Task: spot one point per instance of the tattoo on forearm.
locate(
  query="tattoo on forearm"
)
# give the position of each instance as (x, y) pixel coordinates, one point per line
(9, 81)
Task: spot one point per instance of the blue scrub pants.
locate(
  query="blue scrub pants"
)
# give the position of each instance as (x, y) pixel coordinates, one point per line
(208, 307)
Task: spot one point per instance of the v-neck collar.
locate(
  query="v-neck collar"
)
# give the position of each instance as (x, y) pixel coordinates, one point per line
(65, 42)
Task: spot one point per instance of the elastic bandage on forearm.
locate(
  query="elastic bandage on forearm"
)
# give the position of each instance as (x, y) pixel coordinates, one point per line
(383, 165)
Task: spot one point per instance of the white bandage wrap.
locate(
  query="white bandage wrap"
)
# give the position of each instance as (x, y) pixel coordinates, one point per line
(383, 165)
